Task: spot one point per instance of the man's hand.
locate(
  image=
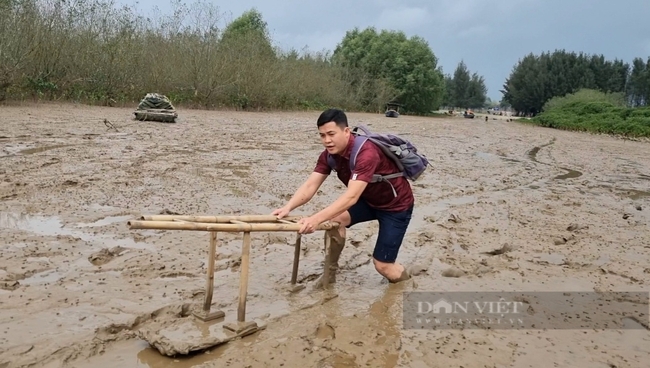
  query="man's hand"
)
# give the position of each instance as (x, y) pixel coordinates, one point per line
(309, 225)
(281, 212)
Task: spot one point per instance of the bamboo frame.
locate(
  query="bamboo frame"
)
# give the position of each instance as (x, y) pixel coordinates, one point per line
(245, 224)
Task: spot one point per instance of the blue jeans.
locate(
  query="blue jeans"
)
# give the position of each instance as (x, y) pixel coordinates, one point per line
(392, 228)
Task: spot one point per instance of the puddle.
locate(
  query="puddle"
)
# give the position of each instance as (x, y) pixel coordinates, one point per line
(630, 323)
(552, 258)
(490, 156)
(457, 248)
(532, 154)
(52, 226)
(31, 151)
(571, 174)
(106, 221)
(48, 276)
(138, 353)
(637, 194)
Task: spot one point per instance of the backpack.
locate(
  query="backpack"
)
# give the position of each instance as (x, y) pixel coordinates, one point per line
(405, 155)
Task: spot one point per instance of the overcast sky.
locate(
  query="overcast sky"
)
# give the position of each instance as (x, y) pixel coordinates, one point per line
(489, 35)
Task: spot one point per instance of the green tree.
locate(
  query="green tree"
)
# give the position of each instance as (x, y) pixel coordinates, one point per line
(537, 78)
(476, 92)
(460, 86)
(402, 69)
(465, 89)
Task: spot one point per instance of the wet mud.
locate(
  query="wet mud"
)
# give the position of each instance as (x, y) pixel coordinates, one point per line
(504, 207)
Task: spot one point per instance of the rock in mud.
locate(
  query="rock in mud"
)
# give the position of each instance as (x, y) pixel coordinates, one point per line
(105, 255)
(574, 227)
(563, 239)
(504, 249)
(453, 272)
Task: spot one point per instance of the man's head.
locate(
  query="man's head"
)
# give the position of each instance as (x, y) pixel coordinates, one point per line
(334, 131)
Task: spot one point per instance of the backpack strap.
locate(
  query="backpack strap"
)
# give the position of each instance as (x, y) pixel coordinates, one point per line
(359, 141)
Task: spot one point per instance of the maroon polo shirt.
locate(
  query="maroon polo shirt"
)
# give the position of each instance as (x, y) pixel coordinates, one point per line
(371, 160)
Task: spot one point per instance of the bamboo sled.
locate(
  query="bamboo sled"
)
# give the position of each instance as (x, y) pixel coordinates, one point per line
(246, 225)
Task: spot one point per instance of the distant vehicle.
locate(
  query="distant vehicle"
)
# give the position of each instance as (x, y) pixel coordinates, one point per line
(468, 114)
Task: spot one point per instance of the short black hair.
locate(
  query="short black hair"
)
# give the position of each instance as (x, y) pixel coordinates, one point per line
(335, 115)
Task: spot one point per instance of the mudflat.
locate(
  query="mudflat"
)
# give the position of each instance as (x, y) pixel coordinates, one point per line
(505, 207)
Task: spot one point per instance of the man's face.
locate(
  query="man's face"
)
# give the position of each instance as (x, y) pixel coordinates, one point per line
(334, 138)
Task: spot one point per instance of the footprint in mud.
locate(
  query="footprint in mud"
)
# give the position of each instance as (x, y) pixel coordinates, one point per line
(105, 255)
(338, 360)
(325, 331)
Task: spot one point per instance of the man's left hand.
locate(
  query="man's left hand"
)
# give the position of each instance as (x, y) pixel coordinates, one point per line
(309, 225)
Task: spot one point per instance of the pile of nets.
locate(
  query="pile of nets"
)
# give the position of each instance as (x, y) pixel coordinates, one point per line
(155, 101)
(156, 107)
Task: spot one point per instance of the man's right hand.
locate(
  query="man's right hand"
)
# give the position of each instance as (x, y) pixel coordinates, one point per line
(281, 212)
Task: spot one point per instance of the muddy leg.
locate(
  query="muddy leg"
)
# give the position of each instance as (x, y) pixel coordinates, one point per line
(336, 245)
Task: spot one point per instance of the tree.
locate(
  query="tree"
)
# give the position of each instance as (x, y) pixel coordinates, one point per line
(465, 90)
(460, 89)
(403, 69)
(476, 92)
(250, 31)
(535, 79)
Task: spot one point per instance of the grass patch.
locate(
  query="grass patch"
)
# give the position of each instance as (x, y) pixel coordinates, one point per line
(595, 112)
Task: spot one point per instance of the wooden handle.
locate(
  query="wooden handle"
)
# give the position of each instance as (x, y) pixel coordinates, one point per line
(218, 219)
(210, 276)
(225, 227)
(243, 278)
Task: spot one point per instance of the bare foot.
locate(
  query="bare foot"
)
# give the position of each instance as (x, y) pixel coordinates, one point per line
(409, 272)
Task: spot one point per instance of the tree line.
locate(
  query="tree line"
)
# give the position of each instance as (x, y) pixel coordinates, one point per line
(536, 79)
(89, 51)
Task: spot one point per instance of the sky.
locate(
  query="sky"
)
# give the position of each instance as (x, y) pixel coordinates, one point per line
(490, 36)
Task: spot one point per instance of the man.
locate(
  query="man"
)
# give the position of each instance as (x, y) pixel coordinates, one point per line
(362, 201)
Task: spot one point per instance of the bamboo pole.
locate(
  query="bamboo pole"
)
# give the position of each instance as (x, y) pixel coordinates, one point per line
(218, 219)
(326, 271)
(224, 227)
(296, 260)
(243, 278)
(210, 276)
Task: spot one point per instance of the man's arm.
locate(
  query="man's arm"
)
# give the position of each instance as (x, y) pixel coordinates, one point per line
(306, 191)
(343, 203)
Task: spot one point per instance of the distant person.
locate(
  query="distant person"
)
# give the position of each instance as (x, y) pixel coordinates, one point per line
(362, 201)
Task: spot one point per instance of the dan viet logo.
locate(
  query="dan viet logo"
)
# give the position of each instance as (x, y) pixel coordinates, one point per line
(539, 310)
(470, 312)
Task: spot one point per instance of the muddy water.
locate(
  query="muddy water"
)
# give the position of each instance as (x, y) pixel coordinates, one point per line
(492, 214)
